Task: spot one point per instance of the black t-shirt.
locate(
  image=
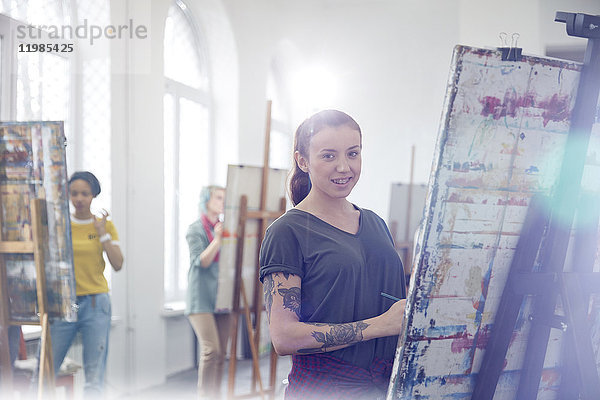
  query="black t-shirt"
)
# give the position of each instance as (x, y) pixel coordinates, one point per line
(342, 274)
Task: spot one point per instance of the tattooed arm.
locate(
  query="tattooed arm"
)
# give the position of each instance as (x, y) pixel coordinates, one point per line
(290, 336)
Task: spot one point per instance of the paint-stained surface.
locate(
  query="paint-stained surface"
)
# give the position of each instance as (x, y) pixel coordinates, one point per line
(501, 140)
(33, 165)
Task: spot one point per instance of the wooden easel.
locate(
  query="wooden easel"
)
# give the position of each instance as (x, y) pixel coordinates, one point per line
(579, 375)
(263, 217)
(39, 223)
(405, 248)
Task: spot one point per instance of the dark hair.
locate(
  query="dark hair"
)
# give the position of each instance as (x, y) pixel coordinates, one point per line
(89, 178)
(299, 182)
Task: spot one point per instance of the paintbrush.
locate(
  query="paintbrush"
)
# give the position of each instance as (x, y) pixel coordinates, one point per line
(389, 296)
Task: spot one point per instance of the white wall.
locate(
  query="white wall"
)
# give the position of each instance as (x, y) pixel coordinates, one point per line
(223, 69)
(146, 345)
(554, 33)
(390, 59)
(137, 356)
(480, 23)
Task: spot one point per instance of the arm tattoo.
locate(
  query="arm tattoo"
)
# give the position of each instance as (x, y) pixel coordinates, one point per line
(268, 286)
(291, 299)
(339, 334)
(269, 290)
(286, 275)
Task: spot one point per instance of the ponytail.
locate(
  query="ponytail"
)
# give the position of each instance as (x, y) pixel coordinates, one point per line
(299, 185)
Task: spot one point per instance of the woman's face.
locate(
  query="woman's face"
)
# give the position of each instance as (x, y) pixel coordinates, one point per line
(80, 193)
(334, 161)
(216, 203)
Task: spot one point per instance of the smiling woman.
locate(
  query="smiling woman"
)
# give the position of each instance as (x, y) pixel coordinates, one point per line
(334, 162)
(324, 264)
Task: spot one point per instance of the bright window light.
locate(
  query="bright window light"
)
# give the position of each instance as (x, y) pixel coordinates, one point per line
(313, 88)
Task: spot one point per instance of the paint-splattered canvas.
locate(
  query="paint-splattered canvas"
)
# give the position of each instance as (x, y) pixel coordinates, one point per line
(244, 180)
(33, 165)
(501, 140)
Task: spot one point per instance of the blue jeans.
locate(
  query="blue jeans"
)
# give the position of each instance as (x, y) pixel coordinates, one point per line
(93, 321)
(14, 337)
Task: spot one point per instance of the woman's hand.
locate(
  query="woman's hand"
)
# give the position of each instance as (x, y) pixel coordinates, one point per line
(210, 252)
(392, 319)
(283, 300)
(113, 251)
(218, 230)
(100, 222)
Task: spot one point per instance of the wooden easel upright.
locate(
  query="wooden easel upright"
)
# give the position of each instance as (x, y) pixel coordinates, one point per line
(405, 248)
(39, 223)
(263, 217)
(579, 376)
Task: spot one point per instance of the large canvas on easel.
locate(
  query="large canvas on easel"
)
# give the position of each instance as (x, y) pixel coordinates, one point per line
(244, 180)
(33, 165)
(501, 140)
(590, 183)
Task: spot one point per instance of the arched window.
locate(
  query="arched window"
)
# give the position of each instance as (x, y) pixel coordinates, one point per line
(187, 144)
(73, 87)
(70, 86)
(35, 85)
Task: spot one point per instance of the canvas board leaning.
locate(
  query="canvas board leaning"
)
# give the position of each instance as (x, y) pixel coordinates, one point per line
(33, 165)
(501, 140)
(244, 180)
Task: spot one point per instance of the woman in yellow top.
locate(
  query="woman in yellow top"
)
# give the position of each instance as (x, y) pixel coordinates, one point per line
(92, 236)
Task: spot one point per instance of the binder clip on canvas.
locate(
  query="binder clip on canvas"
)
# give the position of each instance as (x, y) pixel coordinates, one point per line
(510, 52)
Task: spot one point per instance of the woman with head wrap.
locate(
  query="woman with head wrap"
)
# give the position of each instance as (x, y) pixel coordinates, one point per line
(92, 236)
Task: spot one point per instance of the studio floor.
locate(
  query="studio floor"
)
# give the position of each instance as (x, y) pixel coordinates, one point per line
(182, 386)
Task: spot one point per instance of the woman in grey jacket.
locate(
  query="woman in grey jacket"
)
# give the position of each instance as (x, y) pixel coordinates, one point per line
(212, 330)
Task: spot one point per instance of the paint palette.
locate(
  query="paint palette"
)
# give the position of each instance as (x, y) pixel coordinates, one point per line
(501, 140)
